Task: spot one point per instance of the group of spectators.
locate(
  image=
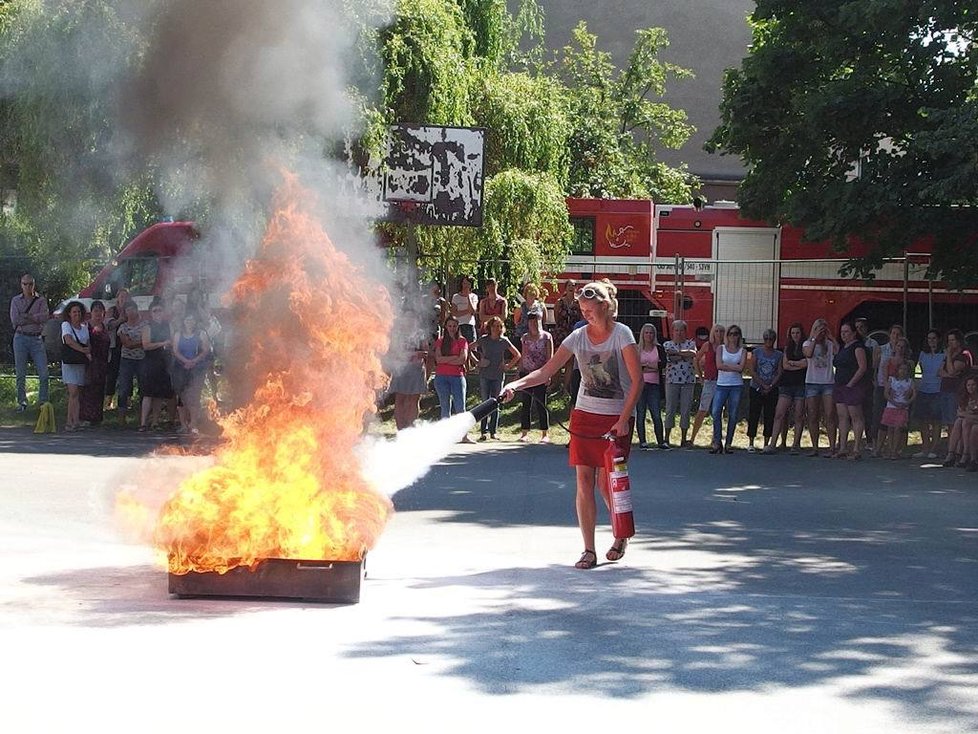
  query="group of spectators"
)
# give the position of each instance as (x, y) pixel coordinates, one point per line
(863, 393)
(106, 353)
(466, 334)
(858, 393)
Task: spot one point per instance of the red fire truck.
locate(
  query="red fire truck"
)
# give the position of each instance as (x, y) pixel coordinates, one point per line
(705, 265)
(708, 265)
(157, 262)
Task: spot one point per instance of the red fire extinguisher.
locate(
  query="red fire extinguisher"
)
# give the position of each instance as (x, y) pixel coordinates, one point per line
(619, 490)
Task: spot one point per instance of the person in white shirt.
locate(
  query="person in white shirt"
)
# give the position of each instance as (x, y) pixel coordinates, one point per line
(731, 358)
(820, 349)
(611, 382)
(465, 308)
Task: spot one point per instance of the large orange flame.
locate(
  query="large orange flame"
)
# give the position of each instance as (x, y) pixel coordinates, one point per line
(286, 484)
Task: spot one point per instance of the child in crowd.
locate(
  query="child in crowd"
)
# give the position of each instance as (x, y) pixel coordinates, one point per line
(899, 392)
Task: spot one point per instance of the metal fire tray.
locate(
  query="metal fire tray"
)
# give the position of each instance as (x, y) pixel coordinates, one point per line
(336, 582)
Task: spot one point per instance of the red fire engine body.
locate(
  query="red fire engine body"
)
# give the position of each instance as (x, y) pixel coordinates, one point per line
(734, 270)
(730, 271)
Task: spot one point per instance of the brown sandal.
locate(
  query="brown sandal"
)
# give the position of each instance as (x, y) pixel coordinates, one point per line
(588, 559)
(617, 550)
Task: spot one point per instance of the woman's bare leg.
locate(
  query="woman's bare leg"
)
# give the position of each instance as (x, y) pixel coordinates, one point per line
(858, 422)
(843, 413)
(828, 411)
(587, 510)
(697, 422)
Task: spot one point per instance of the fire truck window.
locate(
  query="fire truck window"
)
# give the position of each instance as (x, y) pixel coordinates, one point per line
(583, 243)
(114, 282)
(142, 275)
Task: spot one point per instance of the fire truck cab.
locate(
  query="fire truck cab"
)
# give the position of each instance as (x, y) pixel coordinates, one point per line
(155, 263)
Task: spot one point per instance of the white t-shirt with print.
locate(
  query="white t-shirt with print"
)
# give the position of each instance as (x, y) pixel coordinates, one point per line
(458, 300)
(820, 370)
(680, 371)
(605, 381)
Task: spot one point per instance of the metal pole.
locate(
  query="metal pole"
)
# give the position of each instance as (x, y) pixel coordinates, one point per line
(930, 298)
(676, 288)
(906, 290)
(682, 288)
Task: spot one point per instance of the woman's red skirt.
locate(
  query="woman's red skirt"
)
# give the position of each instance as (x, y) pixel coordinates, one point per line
(587, 442)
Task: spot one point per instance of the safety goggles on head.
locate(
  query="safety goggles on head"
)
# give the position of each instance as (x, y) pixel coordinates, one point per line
(591, 293)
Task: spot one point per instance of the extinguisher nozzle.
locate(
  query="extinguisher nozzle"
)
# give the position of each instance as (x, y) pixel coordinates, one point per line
(484, 408)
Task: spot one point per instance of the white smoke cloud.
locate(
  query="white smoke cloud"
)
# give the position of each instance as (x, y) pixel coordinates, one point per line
(229, 93)
(392, 465)
(228, 90)
(210, 98)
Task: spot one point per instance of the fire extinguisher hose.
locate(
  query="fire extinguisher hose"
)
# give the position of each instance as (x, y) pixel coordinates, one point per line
(543, 406)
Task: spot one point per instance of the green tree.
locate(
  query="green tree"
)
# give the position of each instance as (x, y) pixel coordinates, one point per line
(446, 62)
(620, 122)
(56, 131)
(890, 85)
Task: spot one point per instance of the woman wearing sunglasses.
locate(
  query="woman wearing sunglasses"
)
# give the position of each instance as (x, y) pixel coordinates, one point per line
(611, 382)
(731, 358)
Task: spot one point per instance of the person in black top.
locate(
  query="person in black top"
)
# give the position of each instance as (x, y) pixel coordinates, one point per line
(851, 373)
(791, 391)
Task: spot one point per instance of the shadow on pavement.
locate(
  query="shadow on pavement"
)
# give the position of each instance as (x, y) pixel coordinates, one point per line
(99, 442)
(622, 633)
(131, 595)
(746, 573)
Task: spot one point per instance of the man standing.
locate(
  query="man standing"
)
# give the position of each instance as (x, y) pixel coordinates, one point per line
(680, 379)
(28, 314)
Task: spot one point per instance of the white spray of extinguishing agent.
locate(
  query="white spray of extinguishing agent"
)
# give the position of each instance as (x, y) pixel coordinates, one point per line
(619, 490)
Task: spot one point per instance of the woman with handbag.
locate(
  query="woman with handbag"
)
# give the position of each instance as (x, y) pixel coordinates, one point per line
(76, 354)
(537, 347)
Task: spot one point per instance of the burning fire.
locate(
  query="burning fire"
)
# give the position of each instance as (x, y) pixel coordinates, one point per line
(311, 329)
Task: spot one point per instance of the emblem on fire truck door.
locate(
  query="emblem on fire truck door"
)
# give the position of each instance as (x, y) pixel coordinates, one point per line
(619, 237)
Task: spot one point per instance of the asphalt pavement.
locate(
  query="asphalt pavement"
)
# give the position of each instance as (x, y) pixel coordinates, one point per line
(761, 593)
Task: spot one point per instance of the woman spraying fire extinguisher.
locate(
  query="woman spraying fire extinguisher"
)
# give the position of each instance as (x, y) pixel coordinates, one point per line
(611, 382)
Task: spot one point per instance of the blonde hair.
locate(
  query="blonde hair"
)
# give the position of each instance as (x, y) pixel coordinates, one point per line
(645, 329)
(530, 290)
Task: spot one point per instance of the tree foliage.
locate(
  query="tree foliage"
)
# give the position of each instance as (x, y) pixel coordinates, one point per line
(890, 84)
(56, 130)
(527, 122)
(427, 55)
(578, 126)
(620, 120)
(469, 44)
